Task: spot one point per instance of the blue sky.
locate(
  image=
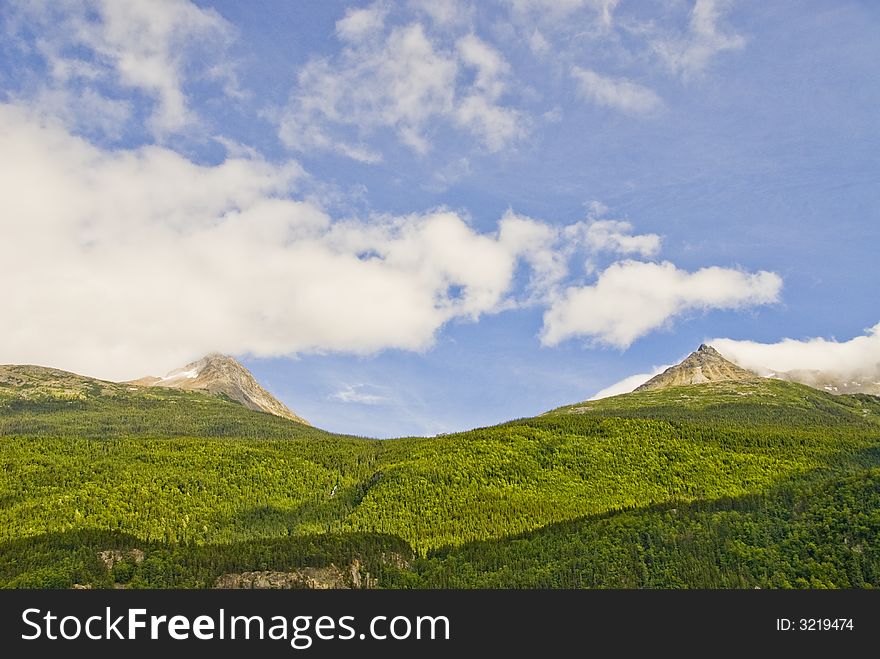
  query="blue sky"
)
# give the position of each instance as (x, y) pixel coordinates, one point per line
(417, 217)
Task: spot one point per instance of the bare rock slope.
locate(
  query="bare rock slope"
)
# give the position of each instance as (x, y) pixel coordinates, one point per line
(704, 365)
(222, 375)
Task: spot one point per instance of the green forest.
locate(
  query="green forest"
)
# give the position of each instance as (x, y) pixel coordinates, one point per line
(719, 485)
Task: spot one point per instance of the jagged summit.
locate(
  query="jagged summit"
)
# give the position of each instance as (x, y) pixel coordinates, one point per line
(221, 374)
(704, 365)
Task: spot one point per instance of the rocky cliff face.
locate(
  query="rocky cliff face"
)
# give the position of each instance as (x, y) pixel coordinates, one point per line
(704, 365)
(313, 578)
(222, 375)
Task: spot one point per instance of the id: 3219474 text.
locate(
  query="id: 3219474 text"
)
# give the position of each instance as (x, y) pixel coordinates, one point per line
(814, 624)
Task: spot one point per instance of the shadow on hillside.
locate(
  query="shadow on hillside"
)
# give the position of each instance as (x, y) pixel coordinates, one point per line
(817, 531)
(865, 461)
(322, 515)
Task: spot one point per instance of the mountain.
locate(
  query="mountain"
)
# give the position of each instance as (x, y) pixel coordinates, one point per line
(708, 365)
(222, 375)
(722, 484)
(727, 483)
(704, 365)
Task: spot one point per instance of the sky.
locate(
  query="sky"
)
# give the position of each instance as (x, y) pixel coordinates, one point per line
(415, 217)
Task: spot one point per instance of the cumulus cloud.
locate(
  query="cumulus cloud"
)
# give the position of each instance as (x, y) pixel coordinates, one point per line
(631, 298)
(401, 80)
(544, 249)
(149, 46)
(857, 357)
(141, 259)
(690, 54)
(616, 93)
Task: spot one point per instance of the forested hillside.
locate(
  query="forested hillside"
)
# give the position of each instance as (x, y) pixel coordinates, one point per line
(719, 484)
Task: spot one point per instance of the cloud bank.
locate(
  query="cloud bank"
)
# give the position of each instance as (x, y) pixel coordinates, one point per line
(127, 262)
(857, 357)
(131, 261)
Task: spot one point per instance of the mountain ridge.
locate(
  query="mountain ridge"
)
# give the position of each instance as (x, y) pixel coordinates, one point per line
(31, 380)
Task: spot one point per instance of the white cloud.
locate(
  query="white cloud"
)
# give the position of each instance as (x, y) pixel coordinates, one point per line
(491, 69)
(358, 24)
(691, 53)
(543, 247)
(403, 81)
(140, 259)
(479, 109)
(143, 45)
(551, 247)
(858, 357)
(359, 393)
(627, 384)
(632, 298)
(616, 93)
(614, 236)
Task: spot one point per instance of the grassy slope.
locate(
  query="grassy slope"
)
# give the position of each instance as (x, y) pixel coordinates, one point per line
(174, 467)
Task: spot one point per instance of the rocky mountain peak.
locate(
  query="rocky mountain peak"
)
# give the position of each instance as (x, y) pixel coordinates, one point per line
(223, 375)
(703, 365)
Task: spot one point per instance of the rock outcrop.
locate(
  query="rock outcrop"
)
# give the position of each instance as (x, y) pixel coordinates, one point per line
(313, 578)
